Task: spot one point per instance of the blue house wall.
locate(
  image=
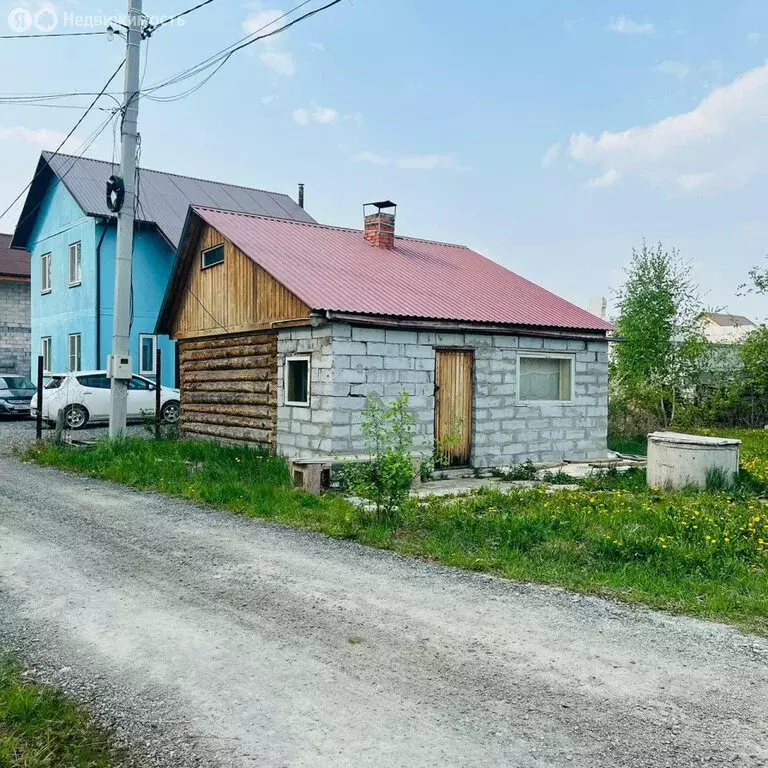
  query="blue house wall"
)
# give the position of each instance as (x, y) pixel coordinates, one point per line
(67, 310)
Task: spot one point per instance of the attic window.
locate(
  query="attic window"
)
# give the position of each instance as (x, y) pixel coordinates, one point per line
(213, 256)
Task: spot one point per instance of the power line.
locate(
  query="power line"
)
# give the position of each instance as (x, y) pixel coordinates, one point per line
(49, 34)
(64, 141)
(223, 56)
(149, 29)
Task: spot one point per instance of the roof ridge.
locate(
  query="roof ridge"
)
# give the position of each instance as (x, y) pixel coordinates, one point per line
(325, 226)
(171, 173)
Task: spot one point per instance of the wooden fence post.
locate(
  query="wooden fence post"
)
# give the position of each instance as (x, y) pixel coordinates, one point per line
(39, 418)
(158, 385)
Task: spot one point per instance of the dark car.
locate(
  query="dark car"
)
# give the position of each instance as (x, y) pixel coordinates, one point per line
(15, 395)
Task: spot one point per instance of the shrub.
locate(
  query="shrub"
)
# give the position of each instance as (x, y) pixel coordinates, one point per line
(385, 481)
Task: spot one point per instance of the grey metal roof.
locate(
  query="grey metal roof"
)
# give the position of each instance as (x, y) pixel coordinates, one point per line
(164, 198)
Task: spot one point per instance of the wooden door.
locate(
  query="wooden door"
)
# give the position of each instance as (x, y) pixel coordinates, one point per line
(453, 407)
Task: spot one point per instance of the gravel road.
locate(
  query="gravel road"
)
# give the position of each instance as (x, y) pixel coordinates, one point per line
(208, 639)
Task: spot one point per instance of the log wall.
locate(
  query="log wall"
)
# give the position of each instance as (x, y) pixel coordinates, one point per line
(229, 388)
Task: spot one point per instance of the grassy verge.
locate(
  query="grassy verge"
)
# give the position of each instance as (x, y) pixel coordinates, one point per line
(702, 554)
(39, 728)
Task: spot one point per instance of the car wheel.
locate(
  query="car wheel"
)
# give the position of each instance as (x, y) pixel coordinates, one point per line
(171, 412)
(75, 417)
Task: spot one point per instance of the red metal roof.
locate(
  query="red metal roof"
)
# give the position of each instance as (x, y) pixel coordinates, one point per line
(335, 269)
(12, 263)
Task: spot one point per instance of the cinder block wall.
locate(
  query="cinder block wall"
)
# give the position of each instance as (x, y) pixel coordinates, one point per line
(348, 363)
(15, 330)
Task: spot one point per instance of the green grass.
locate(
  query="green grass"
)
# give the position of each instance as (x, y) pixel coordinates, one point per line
(636, 446)
(39, 728)
(703, 554)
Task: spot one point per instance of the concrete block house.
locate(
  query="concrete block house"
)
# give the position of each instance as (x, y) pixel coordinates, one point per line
(14, 309)
(285, 327)
(71, 238)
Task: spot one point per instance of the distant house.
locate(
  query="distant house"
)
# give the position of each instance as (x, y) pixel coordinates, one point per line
(70, 234)
(14, 309)
(285, 327)
(724, 328)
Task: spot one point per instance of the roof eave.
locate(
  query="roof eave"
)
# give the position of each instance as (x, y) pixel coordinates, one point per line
(424, 323)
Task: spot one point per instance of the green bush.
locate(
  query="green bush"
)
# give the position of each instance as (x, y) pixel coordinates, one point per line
(385, 481)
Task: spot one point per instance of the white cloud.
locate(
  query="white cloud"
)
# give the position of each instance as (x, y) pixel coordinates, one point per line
(273, 57)
(42, 137)
(623, 25)
(718, 145)
(754, 37)
(317, 46)
(608, 179)
(317, 114)
(279, 61)
(268, 99)
(550, 156)
(426, 162)
(371, 157)
(676, 69)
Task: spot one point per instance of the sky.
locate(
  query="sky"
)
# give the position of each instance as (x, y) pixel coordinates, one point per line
(552, 137)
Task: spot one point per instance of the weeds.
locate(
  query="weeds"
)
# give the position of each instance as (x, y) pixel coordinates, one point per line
(40, 729)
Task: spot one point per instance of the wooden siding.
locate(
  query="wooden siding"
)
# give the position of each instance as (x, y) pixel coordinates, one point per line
(237, 295)
(453, 405)
(229, 388)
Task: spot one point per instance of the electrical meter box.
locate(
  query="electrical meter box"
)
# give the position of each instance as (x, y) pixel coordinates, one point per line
(119, 367)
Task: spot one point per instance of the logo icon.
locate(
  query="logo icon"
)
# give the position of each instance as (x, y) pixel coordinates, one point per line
(19, 19)
(46, 19)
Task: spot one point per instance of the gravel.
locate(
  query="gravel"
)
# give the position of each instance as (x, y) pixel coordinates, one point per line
(207, 639)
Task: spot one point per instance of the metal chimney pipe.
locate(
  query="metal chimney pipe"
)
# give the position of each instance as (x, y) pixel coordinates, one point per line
(301, 195)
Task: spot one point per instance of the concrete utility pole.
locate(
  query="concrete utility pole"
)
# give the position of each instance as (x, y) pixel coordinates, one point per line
(119, 364)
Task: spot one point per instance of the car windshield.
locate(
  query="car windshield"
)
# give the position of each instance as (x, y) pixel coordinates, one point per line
(16, 382)
(55, 382)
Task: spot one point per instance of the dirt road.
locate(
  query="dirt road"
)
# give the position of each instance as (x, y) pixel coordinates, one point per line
(209, 639)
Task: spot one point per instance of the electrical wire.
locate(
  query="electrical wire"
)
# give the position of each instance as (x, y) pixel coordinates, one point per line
(65, 139)
(149, 29)
(49, 34)
(218, 60)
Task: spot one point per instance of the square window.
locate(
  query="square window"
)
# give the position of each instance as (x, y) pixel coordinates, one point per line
(74, 264)
(543, 378)
(74, 352)
(45, 273)
(147, 353)
(213, 256)
(297, 381)
(45, 351)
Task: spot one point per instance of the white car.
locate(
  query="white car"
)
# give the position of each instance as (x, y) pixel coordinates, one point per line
(84, 397)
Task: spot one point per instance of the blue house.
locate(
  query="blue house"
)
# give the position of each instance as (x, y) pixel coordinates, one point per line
(70, 234)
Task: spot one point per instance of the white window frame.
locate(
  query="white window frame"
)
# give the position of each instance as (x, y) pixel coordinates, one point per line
(77, 278)
(46, 350)
(153, 370)
(78, 354)
(548, 356)
(45, 273)
(294, 359)
(203, 265)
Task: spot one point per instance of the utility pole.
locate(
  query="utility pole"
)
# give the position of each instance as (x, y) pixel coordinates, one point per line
(119, 365)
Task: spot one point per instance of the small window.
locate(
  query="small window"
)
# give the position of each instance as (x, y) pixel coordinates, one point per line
(543, 378)
(97, 381)
(74, 264)
(45, 351)
(54, 383)
(147, 354)
(74, 352)
(213, 256)
(297, 381)
(45, 273)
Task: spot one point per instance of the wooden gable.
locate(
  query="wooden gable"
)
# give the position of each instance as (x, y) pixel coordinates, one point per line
(232, 297)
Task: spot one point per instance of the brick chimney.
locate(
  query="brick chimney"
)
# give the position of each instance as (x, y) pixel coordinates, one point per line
(379, 227)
